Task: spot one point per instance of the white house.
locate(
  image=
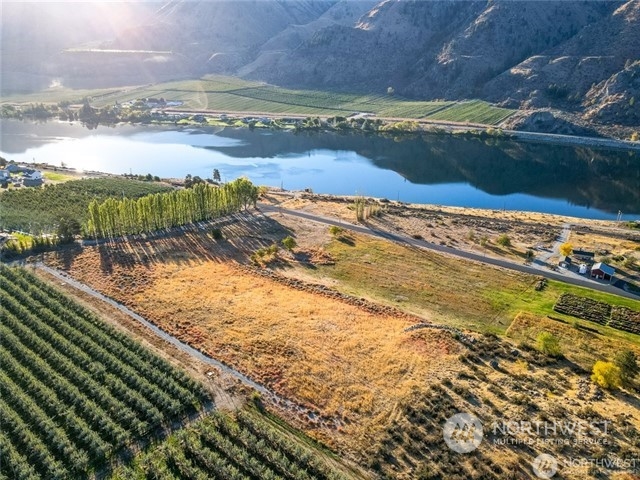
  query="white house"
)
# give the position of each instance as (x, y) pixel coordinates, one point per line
(33, 179)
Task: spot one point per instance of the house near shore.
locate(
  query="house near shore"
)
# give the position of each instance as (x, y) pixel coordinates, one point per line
(33, 179)
(15, 168)
(602, 271)
(584, 255)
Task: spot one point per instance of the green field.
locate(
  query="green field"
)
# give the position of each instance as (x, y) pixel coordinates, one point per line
(229, 94)
(75, 393)
(244, 446)
(451, 291)
(38, 210)
(475, 111)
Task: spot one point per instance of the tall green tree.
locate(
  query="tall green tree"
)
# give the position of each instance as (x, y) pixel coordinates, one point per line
(68, 229)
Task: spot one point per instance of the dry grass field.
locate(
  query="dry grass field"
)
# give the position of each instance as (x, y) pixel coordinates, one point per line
(380, 393)
(348, 364)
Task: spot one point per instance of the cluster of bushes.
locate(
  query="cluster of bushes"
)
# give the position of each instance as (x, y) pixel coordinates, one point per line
(620, 318)
(366, 208)
(142, 178)
(37, 244)
(264, 254)
(621, 372)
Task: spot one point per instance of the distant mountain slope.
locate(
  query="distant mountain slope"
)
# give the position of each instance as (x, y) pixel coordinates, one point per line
(566, 72)
(220, 35)
(32, 35)
(576, 57)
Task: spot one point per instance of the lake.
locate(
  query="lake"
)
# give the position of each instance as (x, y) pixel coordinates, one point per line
(437, 169)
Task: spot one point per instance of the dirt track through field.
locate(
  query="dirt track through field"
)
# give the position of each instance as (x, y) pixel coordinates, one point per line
(282, 402)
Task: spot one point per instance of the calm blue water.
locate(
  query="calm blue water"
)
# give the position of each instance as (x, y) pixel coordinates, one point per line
(581, 182)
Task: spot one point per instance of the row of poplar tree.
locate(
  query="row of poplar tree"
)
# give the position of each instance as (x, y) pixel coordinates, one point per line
(130, 216)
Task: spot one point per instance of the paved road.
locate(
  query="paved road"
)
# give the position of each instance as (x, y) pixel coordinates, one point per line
(452, 251)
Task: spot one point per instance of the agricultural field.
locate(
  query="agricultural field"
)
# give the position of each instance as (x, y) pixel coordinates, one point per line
(228, 94)
(380, 387)
(279, 336)
(475, 111)
(38, 210)
(75, 394)
(243, 446)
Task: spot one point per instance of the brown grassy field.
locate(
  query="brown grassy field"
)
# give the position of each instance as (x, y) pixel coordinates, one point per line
(348, 364)
(380, 393)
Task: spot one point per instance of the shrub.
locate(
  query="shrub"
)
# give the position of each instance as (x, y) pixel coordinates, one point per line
(631, 263)
(335, 230)
(216, 233)
(606, 375)
(549, 344)
(627, 362)
(504, 240)
(289, 243)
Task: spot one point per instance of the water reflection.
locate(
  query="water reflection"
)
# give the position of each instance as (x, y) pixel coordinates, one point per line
(474, 172)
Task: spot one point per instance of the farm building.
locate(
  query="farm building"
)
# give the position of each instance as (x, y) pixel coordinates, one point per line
(602, 271)
(583, 255)
(565, 262)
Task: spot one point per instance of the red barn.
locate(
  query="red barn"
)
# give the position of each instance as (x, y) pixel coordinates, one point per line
(602, 271)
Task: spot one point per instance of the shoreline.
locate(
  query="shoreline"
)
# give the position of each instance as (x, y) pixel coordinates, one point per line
(588, 142)
(238, 119)
(552, 218)
(449, 127)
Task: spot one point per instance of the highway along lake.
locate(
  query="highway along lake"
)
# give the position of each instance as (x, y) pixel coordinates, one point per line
(451, 170)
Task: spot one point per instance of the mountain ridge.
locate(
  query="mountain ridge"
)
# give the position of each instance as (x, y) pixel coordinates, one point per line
(574, 59)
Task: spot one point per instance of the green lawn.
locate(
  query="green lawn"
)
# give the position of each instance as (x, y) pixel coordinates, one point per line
(447, 290)
(58, 177)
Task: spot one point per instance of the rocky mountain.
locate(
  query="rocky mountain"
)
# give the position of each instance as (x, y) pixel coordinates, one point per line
(577, 57)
